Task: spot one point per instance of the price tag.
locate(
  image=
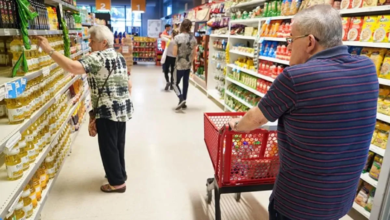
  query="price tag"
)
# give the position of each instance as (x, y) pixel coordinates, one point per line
(34, 32)
(125, 49)
(46, 71)
(13, 140)
(7, 32)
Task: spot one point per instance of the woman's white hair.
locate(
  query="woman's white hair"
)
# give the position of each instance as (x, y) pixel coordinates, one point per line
(322, 21)
(101, 33)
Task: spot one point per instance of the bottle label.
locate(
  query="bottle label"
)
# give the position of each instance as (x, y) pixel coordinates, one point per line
(31, 153)
(38, 188)
(25, 160)
(28, 209)
(15, 171)
(51, 170)
(30, 138)
(33, 196)
(43, 178)
(16, 114)
(2, 110)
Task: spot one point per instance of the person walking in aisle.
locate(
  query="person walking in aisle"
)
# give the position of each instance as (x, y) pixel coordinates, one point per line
(185, 51)
(109, 84)
(325, 104)
(169, 60)
(166, 34)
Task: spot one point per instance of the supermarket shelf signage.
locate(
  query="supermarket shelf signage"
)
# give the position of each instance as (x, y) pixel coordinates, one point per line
(15, 88)
(103, 5)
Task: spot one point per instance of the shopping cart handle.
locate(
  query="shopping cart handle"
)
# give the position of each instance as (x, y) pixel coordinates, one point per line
(224, 128)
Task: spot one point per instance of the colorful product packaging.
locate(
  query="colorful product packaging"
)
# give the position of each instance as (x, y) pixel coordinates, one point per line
(355, 29)
(368, 28)
(381, 34)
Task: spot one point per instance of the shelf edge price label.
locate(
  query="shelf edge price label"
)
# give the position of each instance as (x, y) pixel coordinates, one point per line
(7, 32)
(46, 71)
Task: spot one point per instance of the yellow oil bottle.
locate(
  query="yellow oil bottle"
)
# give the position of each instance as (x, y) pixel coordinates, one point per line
(14, 164)
(33, 195)
(15, 110)
(44, 178)
(19, 213)
(37, 185)
(27, 202)
(22, 145)
(50, 166)
(32, 152)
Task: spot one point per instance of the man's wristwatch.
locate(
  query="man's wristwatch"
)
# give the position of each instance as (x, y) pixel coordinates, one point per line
(51, 52)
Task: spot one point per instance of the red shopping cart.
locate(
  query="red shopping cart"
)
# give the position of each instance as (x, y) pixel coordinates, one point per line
(243, 162)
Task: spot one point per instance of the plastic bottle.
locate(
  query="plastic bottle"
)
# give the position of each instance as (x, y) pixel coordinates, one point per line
(19, 213)
(50, 166)
(27, 202)
(32, 152)
(43, 177)
(14, 164)
(35, 182)
(33, 196)
(3, 109)
(15, 110)
(23, 153)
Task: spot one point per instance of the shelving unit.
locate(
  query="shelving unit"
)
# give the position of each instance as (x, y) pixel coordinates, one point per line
(285, 62)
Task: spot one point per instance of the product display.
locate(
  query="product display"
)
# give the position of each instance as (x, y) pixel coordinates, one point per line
(144, 49)
(244, 95)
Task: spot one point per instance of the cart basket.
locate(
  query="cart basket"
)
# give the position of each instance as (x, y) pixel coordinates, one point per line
(240, 158)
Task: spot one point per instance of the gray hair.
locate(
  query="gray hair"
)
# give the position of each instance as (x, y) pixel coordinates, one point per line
(322, 21)
(101, 33)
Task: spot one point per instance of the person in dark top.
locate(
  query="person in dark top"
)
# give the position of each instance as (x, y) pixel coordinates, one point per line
(325, 104)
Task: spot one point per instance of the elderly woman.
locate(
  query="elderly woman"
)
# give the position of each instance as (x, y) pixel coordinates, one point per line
(110, 93)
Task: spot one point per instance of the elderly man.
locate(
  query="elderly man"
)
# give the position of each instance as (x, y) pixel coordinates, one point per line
(326, 106)
(110, 92)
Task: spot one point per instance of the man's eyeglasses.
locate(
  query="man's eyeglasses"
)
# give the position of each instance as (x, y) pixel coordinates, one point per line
(291, 39)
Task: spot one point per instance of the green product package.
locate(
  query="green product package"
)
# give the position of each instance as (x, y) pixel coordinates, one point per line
(26, 13)
(22, 62)
(66, 38)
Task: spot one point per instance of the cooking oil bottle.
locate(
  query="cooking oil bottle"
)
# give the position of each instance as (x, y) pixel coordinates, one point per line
(14, 164)
(22, 145)
(50, 166)
(19, 213)
(31, 150)
(15, 110)
(11, 217)
(33, 196)
(3, 109)
(37, 185)
(27, 202)
(44, 178)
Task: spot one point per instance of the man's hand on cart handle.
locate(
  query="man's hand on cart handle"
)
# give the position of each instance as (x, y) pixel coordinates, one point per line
(252, 120)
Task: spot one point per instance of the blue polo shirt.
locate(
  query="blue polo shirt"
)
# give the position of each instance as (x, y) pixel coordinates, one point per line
(327, 113)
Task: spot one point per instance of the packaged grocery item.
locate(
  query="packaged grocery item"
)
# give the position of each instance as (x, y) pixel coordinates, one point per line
(377, 55)
(355, 29)
(356, 4)
(385, 69)
(384, 2)
(355, 50)
(366, 51)
(346, 21)
(370, 157)
(384, 100)
(376, 167)
(370, 3)
(381, 34)
(295, 4)
(382, 135)
(363, 195)
(14, 164)
(368, 28)
(370, 201)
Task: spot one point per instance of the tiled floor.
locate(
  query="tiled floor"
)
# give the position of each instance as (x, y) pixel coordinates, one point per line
(167, 164)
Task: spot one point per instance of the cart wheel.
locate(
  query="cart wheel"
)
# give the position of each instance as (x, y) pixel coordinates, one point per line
(237, 197)
(209, 188)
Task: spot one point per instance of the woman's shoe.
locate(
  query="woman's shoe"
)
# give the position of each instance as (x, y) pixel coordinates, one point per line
(167, 86)
(107, 188)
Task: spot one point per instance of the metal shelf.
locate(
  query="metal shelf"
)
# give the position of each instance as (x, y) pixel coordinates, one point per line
(245, 87)
(361, 210)
(377, 150)
(275, 60)
(383, 117)
(366, 44)
(245, 21)
(14, 32)
(230, 109)
(216, 96)
(366, 177)
(63, 4)
(238, 99)
(49, 187)
(10, 190)
(219, 35)
(248, 3)
(366, 10)
(242, 37)
(385, 82)
(242, 53)
(279, 39)
(8, 130)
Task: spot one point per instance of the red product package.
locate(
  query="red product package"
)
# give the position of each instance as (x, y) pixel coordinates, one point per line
(346, 21)
(355, 29)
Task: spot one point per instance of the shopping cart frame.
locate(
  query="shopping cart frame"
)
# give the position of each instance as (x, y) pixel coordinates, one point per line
(218, 186)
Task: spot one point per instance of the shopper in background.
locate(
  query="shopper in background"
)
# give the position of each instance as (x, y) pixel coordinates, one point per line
(113, 107)
(184, 50)
(326, 106)
(169, 59)
(166, 34)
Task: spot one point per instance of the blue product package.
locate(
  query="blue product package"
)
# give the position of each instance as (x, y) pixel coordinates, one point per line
(355, 50)
(265, 48)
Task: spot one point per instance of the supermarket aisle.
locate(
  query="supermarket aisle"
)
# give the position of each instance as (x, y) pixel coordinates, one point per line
(167, 165)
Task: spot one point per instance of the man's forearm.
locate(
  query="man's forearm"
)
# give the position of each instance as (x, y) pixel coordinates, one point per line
(252, 120)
